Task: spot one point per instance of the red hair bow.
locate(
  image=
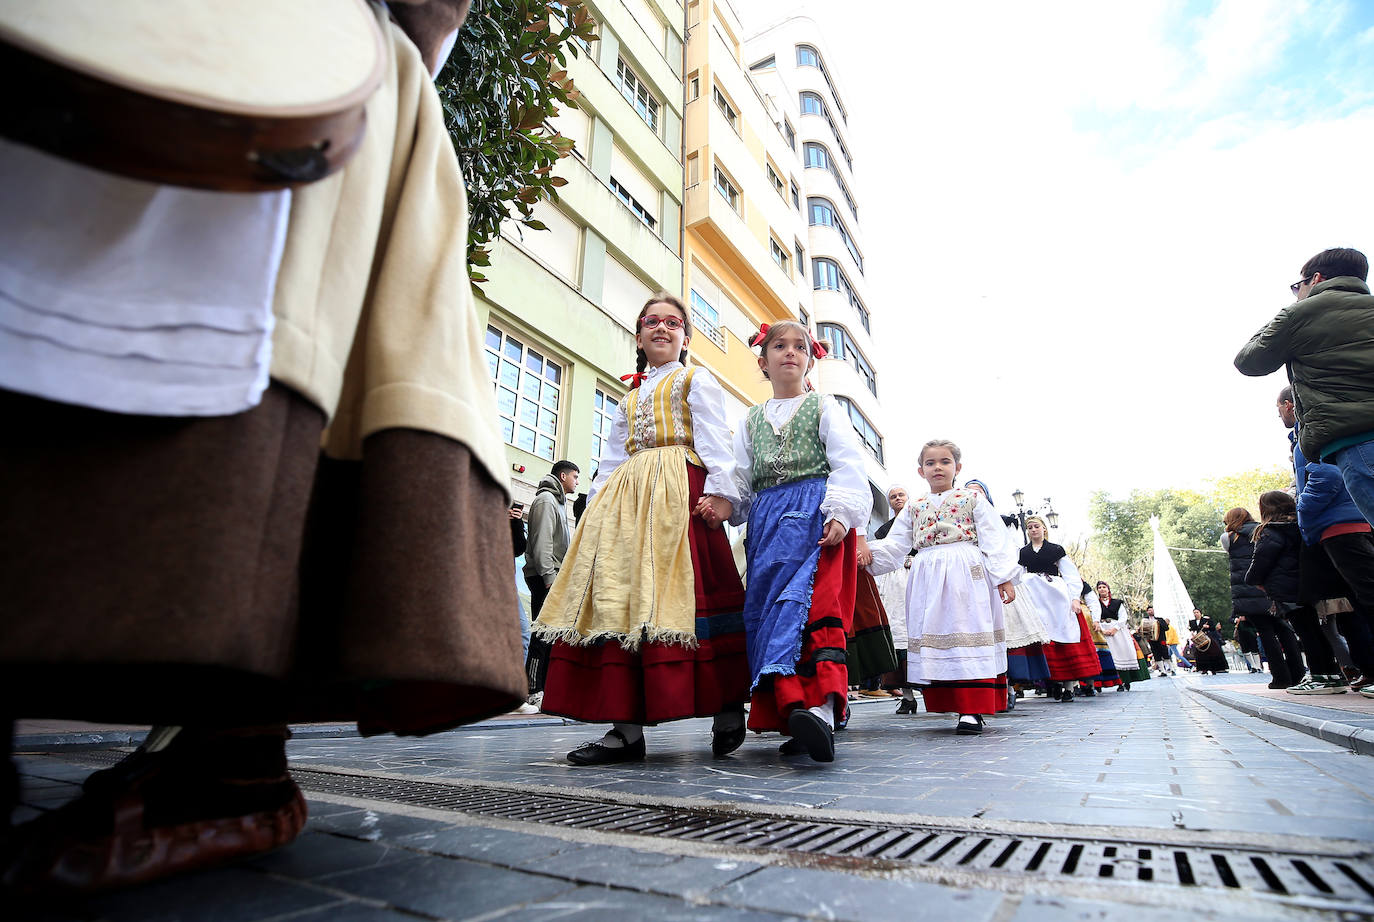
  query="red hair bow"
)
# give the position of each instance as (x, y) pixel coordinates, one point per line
(635, 378)
(758, 337)
(817, 350)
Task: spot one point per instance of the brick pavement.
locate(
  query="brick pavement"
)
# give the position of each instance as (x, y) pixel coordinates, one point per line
(1157, 758)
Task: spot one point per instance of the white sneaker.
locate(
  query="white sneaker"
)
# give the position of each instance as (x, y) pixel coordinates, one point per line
(526, 708)
(1319, 685)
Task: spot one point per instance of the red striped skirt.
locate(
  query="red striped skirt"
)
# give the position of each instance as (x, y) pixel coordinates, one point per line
(830, 619)
(604, 682)
(1070, 661)
(967, 696)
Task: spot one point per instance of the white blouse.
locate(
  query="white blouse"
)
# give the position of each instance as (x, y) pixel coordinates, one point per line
(847, 497)
(710, 433)
(993, 540)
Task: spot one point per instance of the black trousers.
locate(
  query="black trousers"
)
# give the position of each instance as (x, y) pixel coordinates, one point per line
(1320, 658)
(538, 593)
(1280, 647)
(1353, 557)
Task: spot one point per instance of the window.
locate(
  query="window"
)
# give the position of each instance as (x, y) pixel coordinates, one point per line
(818, 158)
(724, 106)
(560, 13)
(801, 261)
(810, 57)
(812, 104)
(528, 389)
(604, 406)
(796, 195)
(790, 133)
(693, 170)
(694, 86)
(804, 317)
(766, 63)
(778, 253)
(842, 347)
(826, 275)
(870, 436)
(637, 94)
(693, 13)
(706, 318)
(823, 214)
(776, 180)
(640, 211)
(725, 188)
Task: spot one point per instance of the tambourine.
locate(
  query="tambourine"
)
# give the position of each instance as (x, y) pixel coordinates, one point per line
(230, 95)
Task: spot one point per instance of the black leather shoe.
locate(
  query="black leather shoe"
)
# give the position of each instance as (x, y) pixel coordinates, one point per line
(812, 732)
(844, 719)
(724, 742)
(593, 753)
(969, 725)
(908, 706)
(1066, 696)
(792, 747)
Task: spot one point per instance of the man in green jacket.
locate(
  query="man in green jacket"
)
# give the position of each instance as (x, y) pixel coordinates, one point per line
(1326, 340)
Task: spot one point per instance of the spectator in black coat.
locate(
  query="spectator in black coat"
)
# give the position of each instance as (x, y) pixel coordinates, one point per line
(1276, 568)
(1279, 642)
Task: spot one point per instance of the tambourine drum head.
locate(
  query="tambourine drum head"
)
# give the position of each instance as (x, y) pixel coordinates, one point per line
(280, 76)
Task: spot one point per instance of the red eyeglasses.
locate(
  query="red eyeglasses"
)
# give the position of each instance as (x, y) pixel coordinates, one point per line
(649, 321)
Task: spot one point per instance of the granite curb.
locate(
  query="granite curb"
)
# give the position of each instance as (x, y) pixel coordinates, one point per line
(1297, 716)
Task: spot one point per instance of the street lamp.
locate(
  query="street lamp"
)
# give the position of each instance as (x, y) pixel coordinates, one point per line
(1022, 513)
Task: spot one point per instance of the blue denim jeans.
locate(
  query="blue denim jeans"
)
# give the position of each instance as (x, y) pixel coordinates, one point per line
(524, 615)
(1357, 469)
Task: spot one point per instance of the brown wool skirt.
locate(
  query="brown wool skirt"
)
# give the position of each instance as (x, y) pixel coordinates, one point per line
(216, 570)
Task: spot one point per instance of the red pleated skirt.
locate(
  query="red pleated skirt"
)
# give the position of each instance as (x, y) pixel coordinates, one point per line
(967, 696)
(604, 682)
(830, 619)
(1070, 661)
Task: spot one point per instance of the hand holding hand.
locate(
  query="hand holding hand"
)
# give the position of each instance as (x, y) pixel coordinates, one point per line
(834, 533)
(865, 553)
(714, 510)
(1007, 591)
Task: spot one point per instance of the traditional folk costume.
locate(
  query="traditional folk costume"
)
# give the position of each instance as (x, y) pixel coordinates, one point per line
(870, 651)
(799, 465)
(1115, 616)
(177, 548)
(956, 624)
(1052, 582)
(645, 613)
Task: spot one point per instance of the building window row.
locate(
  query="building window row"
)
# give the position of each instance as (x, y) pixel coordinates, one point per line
(818, 158)
(728, 190)
(826, 275)
(870, 436)
(842, 347)
(706, 318)
(812, 104)
(604, 406)
(778, 253)
(725, 108)
(823, 213)
(640, 210)
(637, 94)
(528, 392)
(776, 180)
(810, 57)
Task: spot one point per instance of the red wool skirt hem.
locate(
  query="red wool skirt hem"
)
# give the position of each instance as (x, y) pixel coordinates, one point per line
(659, 682)
(967, 696)
(1070, 661)
(830, 619)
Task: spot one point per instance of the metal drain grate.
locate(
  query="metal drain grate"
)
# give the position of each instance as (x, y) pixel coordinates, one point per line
(1332, 877)
(1340, 880)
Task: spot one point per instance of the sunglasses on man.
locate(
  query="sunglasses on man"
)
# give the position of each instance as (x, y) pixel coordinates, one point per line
(1299, 283)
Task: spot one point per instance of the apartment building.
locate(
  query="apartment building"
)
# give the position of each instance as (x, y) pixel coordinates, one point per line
(560, 304)
(771, 225)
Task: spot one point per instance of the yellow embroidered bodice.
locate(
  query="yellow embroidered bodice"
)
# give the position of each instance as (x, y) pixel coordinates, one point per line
(948, 523)
(662, 417)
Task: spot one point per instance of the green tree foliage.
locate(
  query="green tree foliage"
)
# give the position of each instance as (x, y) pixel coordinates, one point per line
(506, 78)
(1243, 489)
(1123, 545)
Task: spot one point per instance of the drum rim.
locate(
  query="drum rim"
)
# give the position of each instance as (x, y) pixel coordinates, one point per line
(349, 100)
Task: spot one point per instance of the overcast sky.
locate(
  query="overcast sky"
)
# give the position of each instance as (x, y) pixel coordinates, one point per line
(1074, 215)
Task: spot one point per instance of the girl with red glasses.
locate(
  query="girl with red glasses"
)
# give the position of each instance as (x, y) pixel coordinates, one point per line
(645, 613)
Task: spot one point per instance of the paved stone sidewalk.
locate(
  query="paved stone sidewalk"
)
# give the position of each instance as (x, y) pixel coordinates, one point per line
(1158, 758)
